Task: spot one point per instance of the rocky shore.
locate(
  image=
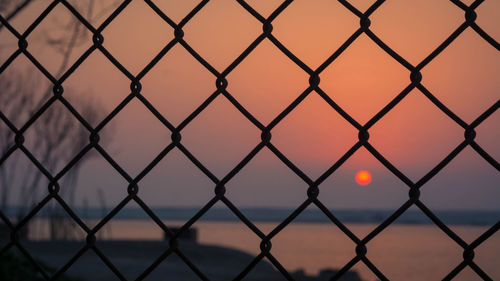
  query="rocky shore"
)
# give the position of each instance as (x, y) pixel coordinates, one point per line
(132, 257)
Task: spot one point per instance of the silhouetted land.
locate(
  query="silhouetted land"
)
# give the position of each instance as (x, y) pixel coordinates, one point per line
(451, 217)
(133, 257)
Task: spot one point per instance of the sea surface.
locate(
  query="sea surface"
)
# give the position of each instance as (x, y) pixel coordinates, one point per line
(402, 251)
(412, 248)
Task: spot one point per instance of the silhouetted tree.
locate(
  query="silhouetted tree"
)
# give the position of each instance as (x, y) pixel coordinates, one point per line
(57, 136)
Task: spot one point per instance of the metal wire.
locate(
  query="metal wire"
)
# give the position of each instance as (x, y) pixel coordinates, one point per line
(311, 196)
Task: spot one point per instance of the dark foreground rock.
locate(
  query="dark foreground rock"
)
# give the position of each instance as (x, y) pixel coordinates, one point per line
(132, 258)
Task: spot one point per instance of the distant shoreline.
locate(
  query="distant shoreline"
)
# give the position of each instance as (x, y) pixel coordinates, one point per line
(412, 217)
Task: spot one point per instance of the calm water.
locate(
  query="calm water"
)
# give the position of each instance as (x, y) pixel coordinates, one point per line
(401, 252)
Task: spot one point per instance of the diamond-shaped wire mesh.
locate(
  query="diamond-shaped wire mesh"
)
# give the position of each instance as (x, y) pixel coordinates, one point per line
(311, 197)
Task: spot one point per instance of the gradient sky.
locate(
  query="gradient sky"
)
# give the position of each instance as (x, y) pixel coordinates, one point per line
(414, 136)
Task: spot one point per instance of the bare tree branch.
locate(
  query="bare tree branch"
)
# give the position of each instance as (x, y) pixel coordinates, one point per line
(58, 136)
(4, 5)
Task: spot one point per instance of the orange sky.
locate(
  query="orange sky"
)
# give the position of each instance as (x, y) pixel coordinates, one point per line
(414, 136)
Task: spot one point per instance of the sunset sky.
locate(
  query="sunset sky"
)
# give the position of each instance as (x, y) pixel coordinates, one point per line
(415, 136)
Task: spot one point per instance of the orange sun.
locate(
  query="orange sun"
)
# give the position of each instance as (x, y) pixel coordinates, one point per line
(363, 177)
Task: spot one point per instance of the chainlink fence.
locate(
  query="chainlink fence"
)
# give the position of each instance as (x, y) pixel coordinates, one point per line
(310, 197)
